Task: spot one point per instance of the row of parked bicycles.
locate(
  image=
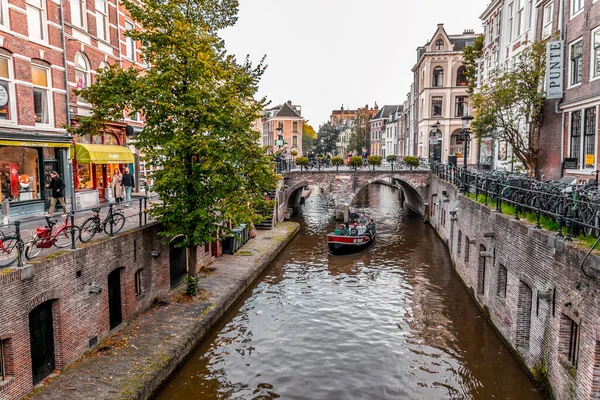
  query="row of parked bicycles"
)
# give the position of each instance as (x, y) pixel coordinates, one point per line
(55, 234)
(573, 204)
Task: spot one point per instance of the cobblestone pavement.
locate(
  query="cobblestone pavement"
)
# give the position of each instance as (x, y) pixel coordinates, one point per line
(28, 227)
(133, 362)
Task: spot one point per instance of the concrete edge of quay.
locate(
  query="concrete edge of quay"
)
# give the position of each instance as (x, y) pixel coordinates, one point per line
(164, 336)
(145, 389)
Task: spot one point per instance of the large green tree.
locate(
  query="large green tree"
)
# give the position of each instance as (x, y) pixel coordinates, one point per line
(327, 138)
(198, 106)
(509, 105)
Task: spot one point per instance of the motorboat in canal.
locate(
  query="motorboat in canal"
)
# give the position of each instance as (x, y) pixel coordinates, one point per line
(356, 238)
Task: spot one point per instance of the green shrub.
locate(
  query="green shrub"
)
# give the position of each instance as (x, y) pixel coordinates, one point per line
(391, 158)
(191, 285)
(302, 161)
(355, 161)
(294, 153)
(374, 160)
(412, 161)
(337, 161)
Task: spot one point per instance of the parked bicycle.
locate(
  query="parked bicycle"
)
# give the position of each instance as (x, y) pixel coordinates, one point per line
(9, 249)
(113, 223)
(45, 237)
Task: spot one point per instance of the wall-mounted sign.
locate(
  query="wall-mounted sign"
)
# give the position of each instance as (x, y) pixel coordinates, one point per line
(589, 159)
(554, 69)
(570, 163)
(433, 140)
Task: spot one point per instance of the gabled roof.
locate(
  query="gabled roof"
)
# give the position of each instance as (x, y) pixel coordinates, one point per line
(287, 111)
(385, 112)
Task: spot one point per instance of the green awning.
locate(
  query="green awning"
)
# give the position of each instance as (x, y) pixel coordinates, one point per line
(102, 154)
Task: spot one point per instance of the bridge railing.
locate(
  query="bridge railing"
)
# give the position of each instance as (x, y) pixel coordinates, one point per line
(318, 164)
(553, 205)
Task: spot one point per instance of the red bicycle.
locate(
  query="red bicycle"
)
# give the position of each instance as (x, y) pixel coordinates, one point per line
(45, 237)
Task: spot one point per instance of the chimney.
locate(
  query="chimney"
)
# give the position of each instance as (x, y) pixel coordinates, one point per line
(289, 102)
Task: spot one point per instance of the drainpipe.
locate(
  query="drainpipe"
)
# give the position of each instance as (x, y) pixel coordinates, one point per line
(67, 100)
(557, 104)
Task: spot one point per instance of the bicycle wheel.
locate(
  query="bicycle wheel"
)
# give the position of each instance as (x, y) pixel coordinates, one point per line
(32, 251)
(8, 252)
(88, 229)
(63, 238)
(117, 220)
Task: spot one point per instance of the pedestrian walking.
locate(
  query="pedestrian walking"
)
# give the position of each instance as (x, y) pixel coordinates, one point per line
(128, 185)
(117, 186)
(57, 186)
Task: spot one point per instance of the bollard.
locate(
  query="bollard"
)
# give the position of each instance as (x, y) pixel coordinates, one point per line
(73, 230)
(140, 201)
(145, 211)
(20, 244)
(110, 211)
(5, 212)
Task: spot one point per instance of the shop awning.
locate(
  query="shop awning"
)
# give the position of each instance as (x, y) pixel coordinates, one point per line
(33, 143)
(103, 154)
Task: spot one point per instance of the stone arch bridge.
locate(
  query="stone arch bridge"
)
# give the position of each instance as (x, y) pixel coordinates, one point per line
(343, 186)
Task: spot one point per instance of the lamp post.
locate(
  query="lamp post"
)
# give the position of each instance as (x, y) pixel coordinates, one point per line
(465, 136)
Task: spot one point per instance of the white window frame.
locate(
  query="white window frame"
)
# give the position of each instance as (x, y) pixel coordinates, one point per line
(102, 15)
(4, 16)
(82, 13)
(547, 25)
(43, 20)
(594, 56)
(11, 93)
(519, 17)
(511, 24)
(49, 99)
(130, 50)
(574, 3)
(581, 164)
(573, 43)
(86, 72)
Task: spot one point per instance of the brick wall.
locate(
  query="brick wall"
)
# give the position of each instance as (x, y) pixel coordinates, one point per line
(544, 285)
(78, 315)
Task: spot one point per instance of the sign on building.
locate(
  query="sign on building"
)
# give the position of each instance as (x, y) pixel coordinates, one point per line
(554, 69)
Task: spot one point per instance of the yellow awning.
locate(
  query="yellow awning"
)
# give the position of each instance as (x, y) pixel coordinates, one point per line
(102, 154)
(27, 143)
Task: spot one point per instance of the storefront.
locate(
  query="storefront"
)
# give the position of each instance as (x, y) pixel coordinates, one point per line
(94, 162)
(26, 162)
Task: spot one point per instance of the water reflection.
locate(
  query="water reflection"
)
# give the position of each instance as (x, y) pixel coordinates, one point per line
(392, 322)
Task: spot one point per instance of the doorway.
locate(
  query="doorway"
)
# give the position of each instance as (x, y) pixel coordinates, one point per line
(115, 313)
(41, 335)
(177, 261)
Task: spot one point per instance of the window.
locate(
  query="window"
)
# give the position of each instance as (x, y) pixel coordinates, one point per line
(436, 106)
(510, 21)
(576, 134)
(596, 53)
(568, 339)
(19, 166)
(36, 19)
(502, 280)
(294, 141)
(82, 73)
(102, 20)
(529, 13)
(438, 77)
(295, 126)
(460, 106)
(519, 17)
(129, 42)
(461, 76)
(576, 53)
(138, 282)
(589, 137)
(467, 249)
(78, 13)
(498, 24)
(548, 15)
(41, 94)
(459, 243)
(576, 6)
(439, 44)
(456, 144)
(4, 19)
(5, 90)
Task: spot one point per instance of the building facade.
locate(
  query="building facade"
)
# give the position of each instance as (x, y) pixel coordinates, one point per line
(282, 127)
(378, 129)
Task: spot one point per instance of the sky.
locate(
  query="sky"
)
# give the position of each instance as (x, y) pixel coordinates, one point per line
(322, 54)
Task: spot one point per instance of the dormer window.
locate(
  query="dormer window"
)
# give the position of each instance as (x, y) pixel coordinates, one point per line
(439, 44)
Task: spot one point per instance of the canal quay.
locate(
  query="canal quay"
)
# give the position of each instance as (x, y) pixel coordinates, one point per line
(391, 322)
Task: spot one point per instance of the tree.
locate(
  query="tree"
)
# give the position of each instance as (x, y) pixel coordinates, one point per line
(361, 136)
(308, 136)
(327, 137)
(198, 108)
(471, 55)
(509, 106)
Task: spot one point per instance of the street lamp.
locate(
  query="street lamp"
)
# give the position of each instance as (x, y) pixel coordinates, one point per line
(465, 136)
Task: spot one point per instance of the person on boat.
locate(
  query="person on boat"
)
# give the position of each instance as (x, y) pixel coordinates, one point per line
(370, 226)
(353, 217)
(343, 230)
(362, 219)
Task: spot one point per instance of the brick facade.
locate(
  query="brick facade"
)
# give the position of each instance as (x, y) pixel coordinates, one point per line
(536, 294)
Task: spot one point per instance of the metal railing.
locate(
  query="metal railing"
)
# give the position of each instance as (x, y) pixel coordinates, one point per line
(571, 207)
(319, 164)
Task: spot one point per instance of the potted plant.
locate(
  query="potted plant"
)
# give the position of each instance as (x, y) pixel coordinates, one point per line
(302, 162)
(355, 162)
(374, 160)
(337, 161)
(391, 158)
(411, 161)
(294, 153)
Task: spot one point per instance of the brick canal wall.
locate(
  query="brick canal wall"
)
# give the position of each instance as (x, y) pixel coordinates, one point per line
(530, 286)
(80, 317)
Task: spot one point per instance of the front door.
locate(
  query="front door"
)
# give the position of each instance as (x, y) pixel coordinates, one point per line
(41, 335)
(115, 314)
(178, 263)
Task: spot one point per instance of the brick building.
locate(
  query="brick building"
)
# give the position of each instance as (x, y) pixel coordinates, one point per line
(378, 129)
(283, 122)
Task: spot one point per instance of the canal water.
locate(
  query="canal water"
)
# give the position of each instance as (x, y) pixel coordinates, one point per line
(392, 322)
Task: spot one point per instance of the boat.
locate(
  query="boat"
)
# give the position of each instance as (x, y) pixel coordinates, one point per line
(357, 239)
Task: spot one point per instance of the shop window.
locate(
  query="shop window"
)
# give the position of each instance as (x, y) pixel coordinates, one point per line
(96, 139)
(19, 173)
(81, 139)
(568, 340)
(110, 138)
(129, 42)
(436, 106)
(102, 20)
(576, 52)
(583, 147)
(41, 94)
(84, 176)
(78, 13)
(438, 77)
(36, 20)
(456, 145)
(461, 76)
(5, 90)
(82, 73)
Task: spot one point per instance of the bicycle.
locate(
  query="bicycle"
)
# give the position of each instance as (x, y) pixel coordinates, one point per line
(7, 245)
(113, 223)
(45, 237)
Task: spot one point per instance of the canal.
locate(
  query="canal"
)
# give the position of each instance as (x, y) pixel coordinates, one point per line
(392, 322)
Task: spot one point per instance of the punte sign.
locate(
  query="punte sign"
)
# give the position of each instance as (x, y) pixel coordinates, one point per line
(554, 69)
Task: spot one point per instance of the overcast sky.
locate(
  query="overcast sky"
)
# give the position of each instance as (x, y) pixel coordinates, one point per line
(325, 53)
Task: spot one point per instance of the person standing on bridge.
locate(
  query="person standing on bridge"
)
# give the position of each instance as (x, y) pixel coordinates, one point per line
(364, 155)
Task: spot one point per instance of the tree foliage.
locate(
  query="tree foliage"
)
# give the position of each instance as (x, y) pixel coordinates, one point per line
(471, 54)
(198, 106)
(361, 132)
(509, 106)
(308, 136)
(327, 137)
